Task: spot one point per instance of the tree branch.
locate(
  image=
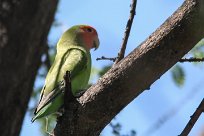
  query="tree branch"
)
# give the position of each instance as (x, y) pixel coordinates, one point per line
(174, 110)
(68, 96)
(127, 31)
(24, 26)
(105, 58)
(136, 72)
(191, 60)
(193, 119)
(121, 54)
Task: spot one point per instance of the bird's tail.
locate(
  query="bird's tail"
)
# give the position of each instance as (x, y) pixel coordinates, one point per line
(33, 119)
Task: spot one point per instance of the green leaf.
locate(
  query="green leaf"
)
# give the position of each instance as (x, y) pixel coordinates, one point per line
(104, 70)
(198, 50)
(178, 75)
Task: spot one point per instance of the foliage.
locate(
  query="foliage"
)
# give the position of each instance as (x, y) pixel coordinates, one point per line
(198, 50)
(116, 130)
(104, 70)
(178, 73)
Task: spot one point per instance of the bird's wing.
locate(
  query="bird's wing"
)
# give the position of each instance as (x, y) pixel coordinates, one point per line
(46, 99)
(74, 60)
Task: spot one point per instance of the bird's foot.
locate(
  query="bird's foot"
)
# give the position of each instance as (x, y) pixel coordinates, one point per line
(80, 93)
(46, 128)
(60, 112)
(49, 133)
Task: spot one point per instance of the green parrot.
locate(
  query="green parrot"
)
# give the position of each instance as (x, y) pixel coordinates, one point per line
(73, 55)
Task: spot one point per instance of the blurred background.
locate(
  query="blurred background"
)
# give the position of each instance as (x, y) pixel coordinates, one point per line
(165, 109)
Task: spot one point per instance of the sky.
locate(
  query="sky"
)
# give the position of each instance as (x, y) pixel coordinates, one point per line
(164, 98)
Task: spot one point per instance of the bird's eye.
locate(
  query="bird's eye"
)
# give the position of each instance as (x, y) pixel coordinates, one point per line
(89, 30)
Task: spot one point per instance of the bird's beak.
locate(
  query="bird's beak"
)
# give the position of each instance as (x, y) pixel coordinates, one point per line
(96, 43)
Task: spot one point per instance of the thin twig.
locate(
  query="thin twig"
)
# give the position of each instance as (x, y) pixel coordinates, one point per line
(126, 35)
(68, 96)
(127, 31)
(181, 60)
(105, 58)
(192, 60)
(193, 119)
(193, 92)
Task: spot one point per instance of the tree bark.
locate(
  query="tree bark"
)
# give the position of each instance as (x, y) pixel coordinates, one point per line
(24, 26)
(135, 73)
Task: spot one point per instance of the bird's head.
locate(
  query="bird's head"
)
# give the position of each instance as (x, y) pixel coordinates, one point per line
(82, 35)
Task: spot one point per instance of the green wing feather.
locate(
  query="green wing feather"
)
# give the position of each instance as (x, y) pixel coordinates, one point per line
(76, 60)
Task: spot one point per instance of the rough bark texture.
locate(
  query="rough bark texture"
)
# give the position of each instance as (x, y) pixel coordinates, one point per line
(24, 26)
(135, 73)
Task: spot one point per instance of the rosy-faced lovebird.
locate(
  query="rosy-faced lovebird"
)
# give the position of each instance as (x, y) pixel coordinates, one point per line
(73, 55)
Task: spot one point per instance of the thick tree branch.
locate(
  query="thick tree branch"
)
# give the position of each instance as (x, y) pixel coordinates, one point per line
(193, 119)
(136, 72)
(24, 26)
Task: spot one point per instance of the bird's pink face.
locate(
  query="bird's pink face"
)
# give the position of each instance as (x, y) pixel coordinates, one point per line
(90, 37)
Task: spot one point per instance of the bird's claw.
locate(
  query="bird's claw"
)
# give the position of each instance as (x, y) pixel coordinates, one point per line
(80, 94)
